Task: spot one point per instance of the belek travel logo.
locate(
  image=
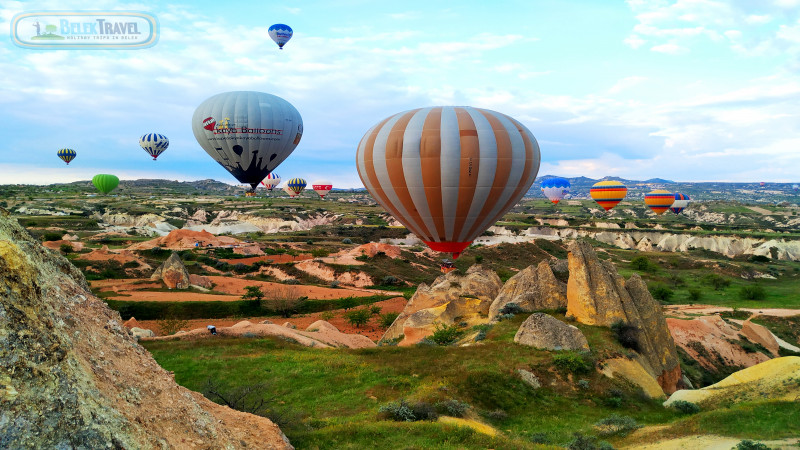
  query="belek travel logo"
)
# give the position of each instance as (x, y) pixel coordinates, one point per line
(84, 30)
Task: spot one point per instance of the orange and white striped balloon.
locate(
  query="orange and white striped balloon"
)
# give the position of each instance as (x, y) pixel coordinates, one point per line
(448, 172)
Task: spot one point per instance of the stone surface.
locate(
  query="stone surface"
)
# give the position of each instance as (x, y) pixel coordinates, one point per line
(529, 378)
(633, 371)
(72, 377)
(173, 273)
(533, 288)
(598, 295)
(201, 281)
(548, 333)
(760, 335)
(139, 333)
(449, 298)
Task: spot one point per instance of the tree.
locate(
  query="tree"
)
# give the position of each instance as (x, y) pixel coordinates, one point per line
(253, 293)
(285, 300)
(358, 317)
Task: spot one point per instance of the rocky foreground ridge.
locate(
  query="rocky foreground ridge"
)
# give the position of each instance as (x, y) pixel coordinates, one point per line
(72, 377)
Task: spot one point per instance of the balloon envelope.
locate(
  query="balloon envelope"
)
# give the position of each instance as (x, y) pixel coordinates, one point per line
(608, 194)
(280, 33)
(555, 189)
(659, 200)
(296, 185)
(680, 203)
(448, 173)
(322, 187)
(271, 180)
(67, 154)
(248, 133)
(105, 183)
(154, 144)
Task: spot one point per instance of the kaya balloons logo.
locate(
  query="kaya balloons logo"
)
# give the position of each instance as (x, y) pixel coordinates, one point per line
(84, 30)
(227, 127)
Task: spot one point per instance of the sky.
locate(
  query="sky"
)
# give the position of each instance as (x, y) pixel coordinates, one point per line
(688, 90)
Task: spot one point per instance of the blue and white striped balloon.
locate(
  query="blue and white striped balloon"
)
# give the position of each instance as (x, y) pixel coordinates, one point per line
(555, 189)
(154, 144)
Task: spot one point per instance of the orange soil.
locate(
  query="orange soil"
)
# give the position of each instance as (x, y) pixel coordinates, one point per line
(186, 239)
(276, 259)
(686, 310)
(372, 330)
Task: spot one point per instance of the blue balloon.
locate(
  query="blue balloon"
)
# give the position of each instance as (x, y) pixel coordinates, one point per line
(555, 188)
(281, 34)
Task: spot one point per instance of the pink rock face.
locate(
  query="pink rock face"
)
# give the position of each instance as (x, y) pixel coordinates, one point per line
(199, 280)
(760, 335)
(173, 273)
(712, 342)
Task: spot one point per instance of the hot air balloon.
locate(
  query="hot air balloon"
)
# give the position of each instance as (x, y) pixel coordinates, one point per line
(154, 144)
(680, 203)
(762, 184)
(555, 189)
(67, 154)
(448, 173)
(659, 200)
(794, 186)
(281, 34)
(105, 183)
(322, 187)
(608, 194)
(271, 180)
(296, 185)
(248, 133)
(289, 191)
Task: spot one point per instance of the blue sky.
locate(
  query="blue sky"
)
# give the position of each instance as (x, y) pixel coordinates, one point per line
(688, 90)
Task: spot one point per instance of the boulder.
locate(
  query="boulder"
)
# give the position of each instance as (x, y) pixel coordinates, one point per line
(139, 333)
(72, 377)
(529, 378)
(173, 273)
(201, 281)
(598, 295)
(533, 288)
(450, 296)
(548, 333)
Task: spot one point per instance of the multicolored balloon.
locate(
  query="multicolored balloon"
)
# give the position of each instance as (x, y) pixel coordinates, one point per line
(289, 191)
(555, 189)
(105, 183)
(659, 200)
(608, 194)
(280, 33)
(448, 172)
(154, 144)
(680, 203)
(322, 187)
(296, 185)
(248, 133)
(67, 154)
(271, 180)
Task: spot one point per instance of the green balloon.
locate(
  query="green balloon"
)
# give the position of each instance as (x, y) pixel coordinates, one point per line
(105, 183)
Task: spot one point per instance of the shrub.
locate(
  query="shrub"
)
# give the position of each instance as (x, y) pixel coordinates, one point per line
(66, 248)
(750, 445)
(478, 259)
(452, 407)
(695, 295)
(584, 442)
(424, 411)
(310, 242)
(626, 334)
(52, 236)
(642, 263)
(326, 315)
(541, 438)
(511, 308)
(397, 411)
(387, 319)
(390, 280)
(445, 334)
(583, 384)
(572, 362)
(292, 281)
(358, 317)
(718, 282)
(171, 325)
(685, 407)
(660, 291)
(320, 253)
(334, 284)
(752, 292)
(253, 293)
(347, 241)
(616, 425)
(285, 300)
(759, 259)
(497, 415)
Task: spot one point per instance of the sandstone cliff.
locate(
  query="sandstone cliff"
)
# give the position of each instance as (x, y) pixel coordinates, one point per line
(173, 273)
(533, 288)
(72, 377)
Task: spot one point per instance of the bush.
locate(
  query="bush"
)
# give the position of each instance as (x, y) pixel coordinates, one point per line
(358, 317)
(347, 241)
(616, 425)
(695, 295)
(52, 236)
(541, 438)
(390, 280)
(375, 310)
(572, 362)
(685, 407)
(759, 259)
(326, 315)
(511, 308)
(718, 282)
(626, 334)
(750, 445)
(66, 248)
(424, 411)
(253, 293)
(497, 415)
(171, 325)
(752, 292)
(445, 334)
(660, 291)
(643, 264)
(320, 253)
(583, 442)
(397, 411)
(334, 284)
(478, 259)
(583, 384)
(452, 408)
(387, 319)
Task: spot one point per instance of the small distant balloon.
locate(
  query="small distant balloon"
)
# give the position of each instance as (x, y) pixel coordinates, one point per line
(281, 34)
(659, 200)
(608, 194)
(322, 187)
(555, 189)
(762, 184)
(105, 183)
(271, 180)
(796, 187)
(296, 185)
(681, 202)
(67, 154)
(154, 144)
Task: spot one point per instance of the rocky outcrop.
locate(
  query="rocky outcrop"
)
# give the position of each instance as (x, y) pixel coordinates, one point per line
(187, 239)
(72, 377)
(200, 281)
(546, 332)
(771, 380)
(451, 296)
(532, 289)
(139, 333)
(327, 273)
(598, 295)
(173, 273)
(633, 371)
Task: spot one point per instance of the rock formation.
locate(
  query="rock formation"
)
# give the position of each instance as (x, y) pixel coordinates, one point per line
(598, 295)
(72, 377)
(548, 333)
(173, 273)
(200, 281)
(466, 297)
(533, 289)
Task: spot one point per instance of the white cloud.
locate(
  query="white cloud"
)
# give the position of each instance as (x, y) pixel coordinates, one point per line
(670, 49)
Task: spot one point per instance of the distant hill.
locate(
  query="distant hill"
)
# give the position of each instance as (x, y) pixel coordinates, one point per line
(659, 181)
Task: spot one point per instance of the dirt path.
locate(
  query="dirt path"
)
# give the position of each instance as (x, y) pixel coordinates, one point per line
(276, 259)
(693, 310)
(710, 442)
